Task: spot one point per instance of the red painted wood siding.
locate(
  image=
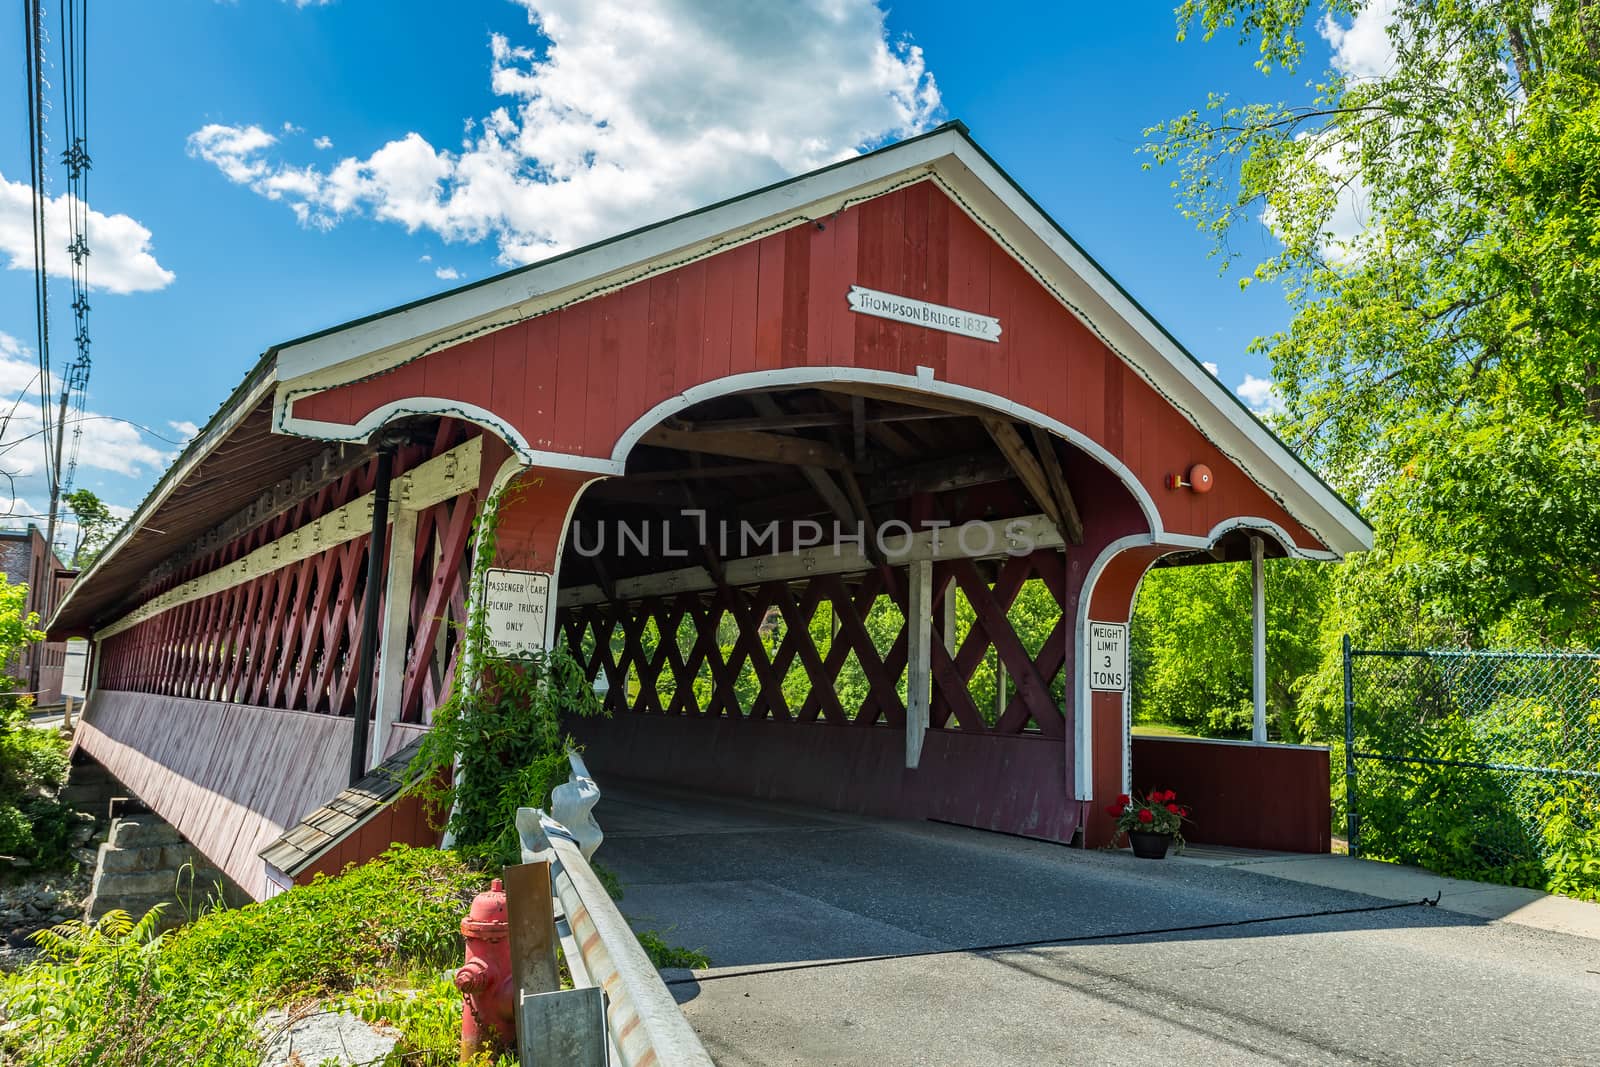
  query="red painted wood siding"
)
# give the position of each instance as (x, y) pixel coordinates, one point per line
(406, 821)
(1247, 796)
(574, 380)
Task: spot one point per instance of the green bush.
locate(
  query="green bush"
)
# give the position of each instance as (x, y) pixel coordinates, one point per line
(497, 742)
(119, 995)
(33, 766)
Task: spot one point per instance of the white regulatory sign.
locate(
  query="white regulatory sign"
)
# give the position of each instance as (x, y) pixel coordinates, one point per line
(1108, 656)
(516, 603)
(922, 313)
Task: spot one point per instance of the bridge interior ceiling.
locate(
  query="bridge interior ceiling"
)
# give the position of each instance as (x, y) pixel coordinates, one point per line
(821, 644)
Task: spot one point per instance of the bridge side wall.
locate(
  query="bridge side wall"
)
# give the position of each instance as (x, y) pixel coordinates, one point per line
(230, 777)
(1244, 795)
(1013, 784)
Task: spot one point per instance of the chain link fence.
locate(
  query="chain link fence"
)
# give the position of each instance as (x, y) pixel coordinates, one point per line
(1481, 765)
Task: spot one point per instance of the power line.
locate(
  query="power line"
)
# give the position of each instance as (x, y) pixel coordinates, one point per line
(33, 44)
(75, 97)
(74, 67)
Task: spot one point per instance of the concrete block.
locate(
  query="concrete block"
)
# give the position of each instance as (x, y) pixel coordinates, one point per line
(142, 831)
(136, 883)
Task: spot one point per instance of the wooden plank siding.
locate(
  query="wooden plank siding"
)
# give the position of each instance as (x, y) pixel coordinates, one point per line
(780, 301)
(231, 777)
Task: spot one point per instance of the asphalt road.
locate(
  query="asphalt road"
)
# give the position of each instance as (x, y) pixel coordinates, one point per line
(775, 896)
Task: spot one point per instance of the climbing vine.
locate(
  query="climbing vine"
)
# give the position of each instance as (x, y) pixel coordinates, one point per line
(497, 741)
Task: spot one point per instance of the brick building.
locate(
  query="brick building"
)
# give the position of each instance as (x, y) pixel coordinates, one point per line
(27, 560)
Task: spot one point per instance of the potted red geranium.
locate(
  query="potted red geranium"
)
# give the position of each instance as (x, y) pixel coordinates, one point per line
(1152, 823)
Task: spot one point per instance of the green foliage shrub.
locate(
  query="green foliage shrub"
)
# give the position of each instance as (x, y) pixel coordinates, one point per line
(33, 763)
(118, 994)
(497, 742)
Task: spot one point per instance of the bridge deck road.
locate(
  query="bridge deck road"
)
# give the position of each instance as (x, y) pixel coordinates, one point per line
(778, 896)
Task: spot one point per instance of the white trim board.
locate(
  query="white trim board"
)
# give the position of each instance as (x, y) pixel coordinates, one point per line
(429, 483)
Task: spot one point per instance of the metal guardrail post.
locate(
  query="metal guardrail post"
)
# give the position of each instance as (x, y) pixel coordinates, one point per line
(643, 1024)
(1352, 818)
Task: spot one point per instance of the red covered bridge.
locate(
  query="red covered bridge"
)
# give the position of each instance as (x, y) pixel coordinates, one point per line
(790, 463)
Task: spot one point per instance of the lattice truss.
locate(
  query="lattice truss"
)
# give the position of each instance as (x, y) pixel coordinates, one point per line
(290, 638)
(833, 649)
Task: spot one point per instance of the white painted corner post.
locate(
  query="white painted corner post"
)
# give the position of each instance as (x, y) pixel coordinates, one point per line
(1258, 641)
(396, 623)
(919, 675)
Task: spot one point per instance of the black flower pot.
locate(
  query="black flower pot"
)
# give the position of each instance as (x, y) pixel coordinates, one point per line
(1148, 845)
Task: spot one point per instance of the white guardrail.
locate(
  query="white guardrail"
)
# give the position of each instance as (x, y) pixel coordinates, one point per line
(619, 1013)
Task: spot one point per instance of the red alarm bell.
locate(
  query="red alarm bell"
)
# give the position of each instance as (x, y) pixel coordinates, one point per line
(1199, 479)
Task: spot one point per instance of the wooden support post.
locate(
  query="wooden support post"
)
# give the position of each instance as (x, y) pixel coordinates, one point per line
(530, 914)
(919, 677)
(1029, 473)
(367, 651)
(396, 621)
(1258, 643)
(1068, 507)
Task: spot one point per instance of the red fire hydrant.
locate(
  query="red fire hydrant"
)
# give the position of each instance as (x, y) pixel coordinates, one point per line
(485, 979)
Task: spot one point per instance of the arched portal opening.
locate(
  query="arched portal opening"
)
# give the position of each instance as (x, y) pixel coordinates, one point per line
(1209, 707)
(843, 593)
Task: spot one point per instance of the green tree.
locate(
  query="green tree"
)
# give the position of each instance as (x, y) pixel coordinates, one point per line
(96, 525)
(1191, 645)
(1438, 220)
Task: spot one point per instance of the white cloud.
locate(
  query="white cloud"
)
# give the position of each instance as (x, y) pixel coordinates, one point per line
(186, 429)
(1329, 170)
(323, 142)
(107, 444)
(232, 150)
(1363, 50)
(1261, 394)
(627, 111)
(120, 259)
(18, 368)
(448, 274)
(424, 258)
(1212, 367)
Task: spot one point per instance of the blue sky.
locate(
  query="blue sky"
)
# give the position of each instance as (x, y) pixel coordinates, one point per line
(249, 140)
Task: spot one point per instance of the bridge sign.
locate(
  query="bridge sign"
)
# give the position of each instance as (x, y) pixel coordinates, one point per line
(515, 605)
(1108, 656)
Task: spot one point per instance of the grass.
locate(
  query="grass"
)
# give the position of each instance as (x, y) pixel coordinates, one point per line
(379, 940)
(1159, 729)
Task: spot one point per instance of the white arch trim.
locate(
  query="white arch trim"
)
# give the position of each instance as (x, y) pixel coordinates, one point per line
(374, 420)
(922, 382)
